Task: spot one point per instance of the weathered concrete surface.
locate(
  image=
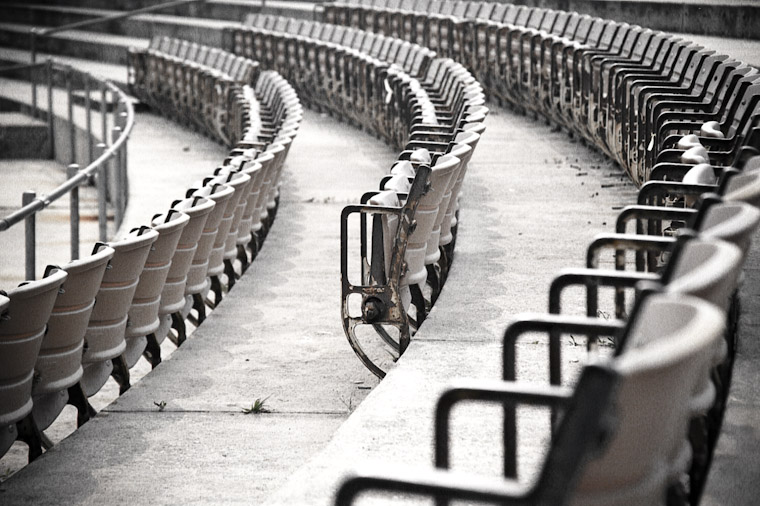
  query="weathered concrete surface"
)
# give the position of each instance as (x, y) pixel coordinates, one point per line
(733, 476)
(277, 335)
(533, 199)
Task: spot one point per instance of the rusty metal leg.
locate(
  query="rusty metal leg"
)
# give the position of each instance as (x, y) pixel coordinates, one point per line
(178, 324)
(418, 301)
(30, 434)
(434, 280)
(78, 399)
(200, 306)
(121, 373)
(254, 246)
(216, 287)
(242, 255)
(152, 351)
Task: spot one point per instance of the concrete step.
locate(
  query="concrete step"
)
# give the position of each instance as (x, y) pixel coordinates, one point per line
(22, 136)
(81, 44)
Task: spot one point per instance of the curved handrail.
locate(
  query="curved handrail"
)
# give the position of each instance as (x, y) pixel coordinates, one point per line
(110, 150)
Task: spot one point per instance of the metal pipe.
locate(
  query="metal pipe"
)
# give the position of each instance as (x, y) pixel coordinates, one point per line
(102, 210)
(103, 111)
(72, 126)
(88, 116)
(118, 204)
(33, 51)
(82, 176)
(30, 236)
(51, 116)
(71, 171)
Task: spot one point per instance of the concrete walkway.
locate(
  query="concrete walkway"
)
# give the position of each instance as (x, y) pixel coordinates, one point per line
(276, 336)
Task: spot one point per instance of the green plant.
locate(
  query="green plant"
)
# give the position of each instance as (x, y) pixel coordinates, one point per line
(257, 407)
(161, 405)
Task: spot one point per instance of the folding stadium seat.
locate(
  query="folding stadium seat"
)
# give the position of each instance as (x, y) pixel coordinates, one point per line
(244, 185)
(59, 365)
(23, 323)
(198, 283)
(172, 300)
(674, 339)
(104, 340)
(143, 317)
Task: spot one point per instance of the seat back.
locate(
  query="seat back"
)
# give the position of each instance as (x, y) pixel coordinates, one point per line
(442, 172)
(670, 353)
(708, 269)
(22, 327)
(143, 312)
(104, 339)
(219, 194)
(240, 183)
(59, 364)
(734, 222)
(173, 294)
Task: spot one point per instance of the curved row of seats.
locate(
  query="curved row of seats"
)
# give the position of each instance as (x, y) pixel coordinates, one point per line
(629, 91)
(639, 427)
(429, 107)
(195, 85)
(61, 337)
(686, 121)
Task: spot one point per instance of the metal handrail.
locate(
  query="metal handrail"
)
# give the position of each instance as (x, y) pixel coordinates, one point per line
(123, 124)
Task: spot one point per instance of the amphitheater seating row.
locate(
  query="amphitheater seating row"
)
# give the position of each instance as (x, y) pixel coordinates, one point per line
(667, 110)
(430, 108)
(629, 91)
(657, 443)
(62, 337)
(194, 85)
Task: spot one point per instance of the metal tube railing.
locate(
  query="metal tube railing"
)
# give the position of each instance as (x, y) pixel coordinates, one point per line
(112, 147)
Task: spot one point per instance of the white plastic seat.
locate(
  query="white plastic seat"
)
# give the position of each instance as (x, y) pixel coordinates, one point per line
(259, 215)
(628, 461)
(240, 183)
(104, 340)
(59, 364)
(463, 152)
(734, 222)
(173, 294)
(425, 216)
(255, 169)
(196, 276)
(670, 353)
(143, 313)
(22, 327)
(471, 137)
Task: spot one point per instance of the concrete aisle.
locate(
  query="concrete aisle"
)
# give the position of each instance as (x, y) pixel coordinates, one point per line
(277, 336)
(533, 200)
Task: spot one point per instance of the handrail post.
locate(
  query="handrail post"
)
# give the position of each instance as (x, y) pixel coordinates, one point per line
(71, 171)
(72, 126)
(88, 117)
(51, 116)
(30, 235)
(102, 210)
(103, 112)
(119, 180)
(33, 51)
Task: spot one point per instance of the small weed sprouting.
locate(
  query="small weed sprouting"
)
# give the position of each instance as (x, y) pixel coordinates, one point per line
(257, 407)
(161, 405)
